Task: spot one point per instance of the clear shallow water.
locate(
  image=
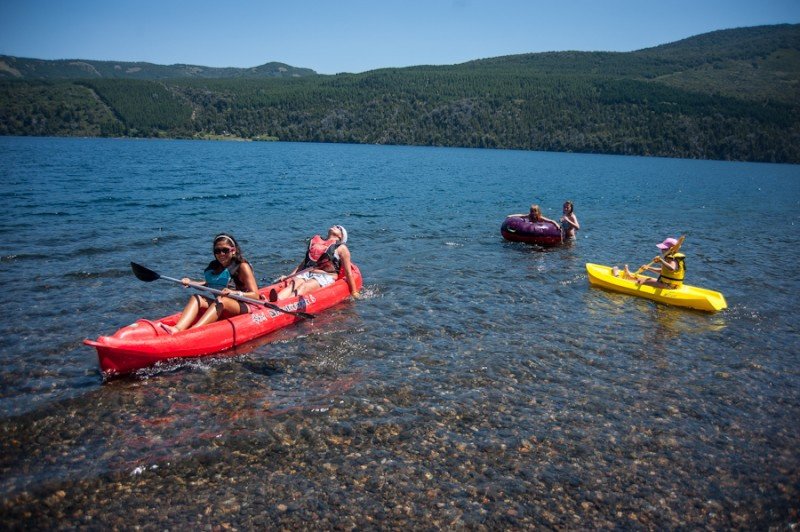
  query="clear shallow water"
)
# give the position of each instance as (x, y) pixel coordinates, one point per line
(478, 383)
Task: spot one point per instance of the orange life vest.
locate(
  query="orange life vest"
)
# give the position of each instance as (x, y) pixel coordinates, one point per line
(321, 254)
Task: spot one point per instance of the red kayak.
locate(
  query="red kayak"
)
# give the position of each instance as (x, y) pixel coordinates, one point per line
(144, 343)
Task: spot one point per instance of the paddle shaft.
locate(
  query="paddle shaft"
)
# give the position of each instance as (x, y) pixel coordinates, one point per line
(646, 266)
(244, 299)
(217, 292)
(146, 274)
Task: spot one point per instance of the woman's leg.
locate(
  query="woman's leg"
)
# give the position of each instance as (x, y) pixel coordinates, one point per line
(288, 290)
(299, 287)
(651, 281)
(195, 305)
(228, 306)
(307, 287)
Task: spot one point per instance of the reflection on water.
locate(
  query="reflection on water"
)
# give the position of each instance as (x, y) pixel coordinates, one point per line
(168, 415)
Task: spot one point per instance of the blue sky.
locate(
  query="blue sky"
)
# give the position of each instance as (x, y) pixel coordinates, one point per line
(359, 35)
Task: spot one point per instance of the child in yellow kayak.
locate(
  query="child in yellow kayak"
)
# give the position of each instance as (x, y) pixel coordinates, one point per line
(671, 272)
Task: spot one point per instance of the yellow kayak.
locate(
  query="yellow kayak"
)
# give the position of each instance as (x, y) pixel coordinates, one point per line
(685, 296)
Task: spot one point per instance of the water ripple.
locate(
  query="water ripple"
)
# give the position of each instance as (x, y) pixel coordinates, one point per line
(476, 383)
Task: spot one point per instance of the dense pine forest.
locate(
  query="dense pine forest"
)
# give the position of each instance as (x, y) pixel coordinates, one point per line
(729, 95)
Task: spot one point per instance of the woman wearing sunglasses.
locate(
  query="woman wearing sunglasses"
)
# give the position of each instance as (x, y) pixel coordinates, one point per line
(229, 266)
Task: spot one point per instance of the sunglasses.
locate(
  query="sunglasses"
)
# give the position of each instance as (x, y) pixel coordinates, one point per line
(226, 251)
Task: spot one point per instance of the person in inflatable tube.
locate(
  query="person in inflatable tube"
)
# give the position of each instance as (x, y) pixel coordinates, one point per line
(535, 215)
(228, 269)
(671, 272)
(320, 267)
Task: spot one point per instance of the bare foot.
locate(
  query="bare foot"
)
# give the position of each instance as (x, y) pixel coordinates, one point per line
(628, 274)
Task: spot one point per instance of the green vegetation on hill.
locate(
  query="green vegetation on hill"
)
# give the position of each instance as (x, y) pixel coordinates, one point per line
(54, 108)
(25, 68)
(730, 95)
(144, 108)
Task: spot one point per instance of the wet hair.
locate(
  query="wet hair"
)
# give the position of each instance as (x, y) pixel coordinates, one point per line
(238, 257)
(535, 208)
(571, 206)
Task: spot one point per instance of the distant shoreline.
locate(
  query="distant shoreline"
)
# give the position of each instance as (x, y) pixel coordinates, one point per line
(232, 138)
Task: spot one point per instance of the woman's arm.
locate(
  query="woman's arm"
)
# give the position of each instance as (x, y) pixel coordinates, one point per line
(293, 272)
(248, 279)
(551, 221)
(671, 264)
(344, 255)
(297, 268)
(573, 221)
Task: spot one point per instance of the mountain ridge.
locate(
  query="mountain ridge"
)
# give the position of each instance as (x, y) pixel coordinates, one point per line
(718, 43)
(12, 67)
(730, 95)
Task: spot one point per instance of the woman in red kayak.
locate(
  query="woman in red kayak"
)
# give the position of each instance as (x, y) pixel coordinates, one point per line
(229, 265)
(324, 260)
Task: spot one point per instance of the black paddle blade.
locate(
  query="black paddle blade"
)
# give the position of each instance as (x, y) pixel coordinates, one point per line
(144, 274)
(306, 315)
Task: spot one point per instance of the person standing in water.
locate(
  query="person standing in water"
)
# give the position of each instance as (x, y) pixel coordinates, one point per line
(569, 222)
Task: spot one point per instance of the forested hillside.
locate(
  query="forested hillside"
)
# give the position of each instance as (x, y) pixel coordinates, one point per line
(732, 95)
(26, 68)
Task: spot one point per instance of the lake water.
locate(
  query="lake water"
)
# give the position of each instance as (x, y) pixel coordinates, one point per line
(479, 383)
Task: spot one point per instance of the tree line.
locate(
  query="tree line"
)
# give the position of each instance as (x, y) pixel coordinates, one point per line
(641, 103)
